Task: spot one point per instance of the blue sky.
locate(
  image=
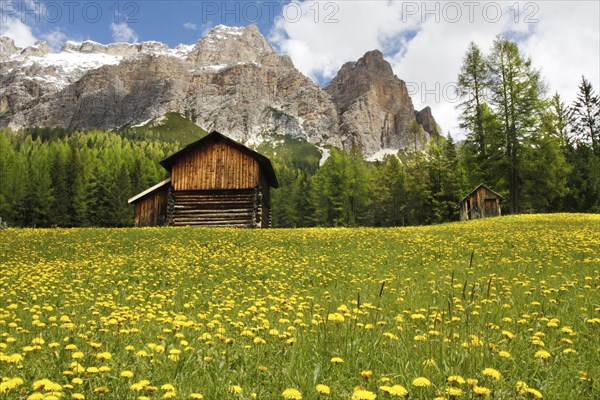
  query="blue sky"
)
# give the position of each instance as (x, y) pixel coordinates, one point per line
(171, 22)
(424, 41)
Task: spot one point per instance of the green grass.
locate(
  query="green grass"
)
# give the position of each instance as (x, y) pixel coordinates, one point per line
(258, 309)
(291, 152)
(173, 127)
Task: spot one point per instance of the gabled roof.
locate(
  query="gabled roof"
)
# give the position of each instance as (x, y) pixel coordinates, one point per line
(264, 162)
(149, 191)
(481, 185)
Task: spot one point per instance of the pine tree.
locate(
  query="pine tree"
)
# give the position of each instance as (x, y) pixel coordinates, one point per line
(586, 113)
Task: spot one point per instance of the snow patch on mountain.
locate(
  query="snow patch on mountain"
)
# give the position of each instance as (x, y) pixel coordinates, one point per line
(380, 155)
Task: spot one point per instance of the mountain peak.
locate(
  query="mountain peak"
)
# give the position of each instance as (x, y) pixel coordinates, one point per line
(374, 63)
(7, 47)
(225, 45)
(373, 105)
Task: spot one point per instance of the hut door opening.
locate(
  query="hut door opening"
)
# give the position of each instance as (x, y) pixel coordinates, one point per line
(468, 209)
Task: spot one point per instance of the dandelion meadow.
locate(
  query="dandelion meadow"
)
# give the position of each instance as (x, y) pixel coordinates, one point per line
(504, 308)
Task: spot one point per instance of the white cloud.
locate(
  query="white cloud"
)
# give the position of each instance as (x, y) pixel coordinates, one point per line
(565, 45)
(121, 32)
(191, 26)
(55, 38)
(17, 30)
(426, 41)
(330, 33)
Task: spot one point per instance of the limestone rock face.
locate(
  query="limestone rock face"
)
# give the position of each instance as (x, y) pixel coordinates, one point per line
(39, 49)
(7, 48)
(426, 120)
(373, 105)
(231, 81)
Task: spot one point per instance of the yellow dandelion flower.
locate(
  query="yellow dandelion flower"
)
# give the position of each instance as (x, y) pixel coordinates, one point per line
(235, 389)
(105, 355)
(363, 395)
(536, 394)
(456, 379)
(492, 373)
(421, 382)
(9, 384)
(78, 396)
(292, 394)
(454, 391)
(521, 387)
(141, 385)
(196, 396)
(101, 390)
(481, 391)
(335, 317)
(398, 391)
(127, 374)
(323, 389)
(366, 374)
(542, 354)
(168, 387)
(336, 360)
(504, 354)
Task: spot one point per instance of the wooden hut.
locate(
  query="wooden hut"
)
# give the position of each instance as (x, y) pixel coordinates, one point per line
(481, 202)
(214, 181)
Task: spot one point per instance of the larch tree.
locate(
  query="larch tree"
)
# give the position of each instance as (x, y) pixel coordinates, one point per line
(516, 88)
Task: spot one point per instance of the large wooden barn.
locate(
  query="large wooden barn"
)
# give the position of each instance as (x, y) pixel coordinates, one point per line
(214, 181)
(481, 202)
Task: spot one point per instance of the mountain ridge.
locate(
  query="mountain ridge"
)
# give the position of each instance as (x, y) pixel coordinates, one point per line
(231, 80)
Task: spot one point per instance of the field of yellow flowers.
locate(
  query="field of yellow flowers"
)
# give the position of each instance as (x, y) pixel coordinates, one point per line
(504, 308)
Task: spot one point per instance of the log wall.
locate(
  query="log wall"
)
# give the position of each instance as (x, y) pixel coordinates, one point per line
(215, 166)
(219, 208)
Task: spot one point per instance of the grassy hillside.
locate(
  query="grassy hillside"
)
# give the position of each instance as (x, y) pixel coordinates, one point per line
(172, 127)
(506, 306)
(290, 151)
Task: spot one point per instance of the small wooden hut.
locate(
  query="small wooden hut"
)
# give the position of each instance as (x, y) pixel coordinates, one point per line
(214, 181)
(481, 202)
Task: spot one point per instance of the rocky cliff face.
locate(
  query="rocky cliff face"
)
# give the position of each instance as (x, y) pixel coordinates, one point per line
(231, 80)
(426, 120)
(373, 105)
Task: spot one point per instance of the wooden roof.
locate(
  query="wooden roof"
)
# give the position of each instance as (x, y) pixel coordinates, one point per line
(149, 191)
(477, 188)
(265, 164)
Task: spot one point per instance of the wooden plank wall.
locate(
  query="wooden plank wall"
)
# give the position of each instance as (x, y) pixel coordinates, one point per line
(215, 166)
(152, 209)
